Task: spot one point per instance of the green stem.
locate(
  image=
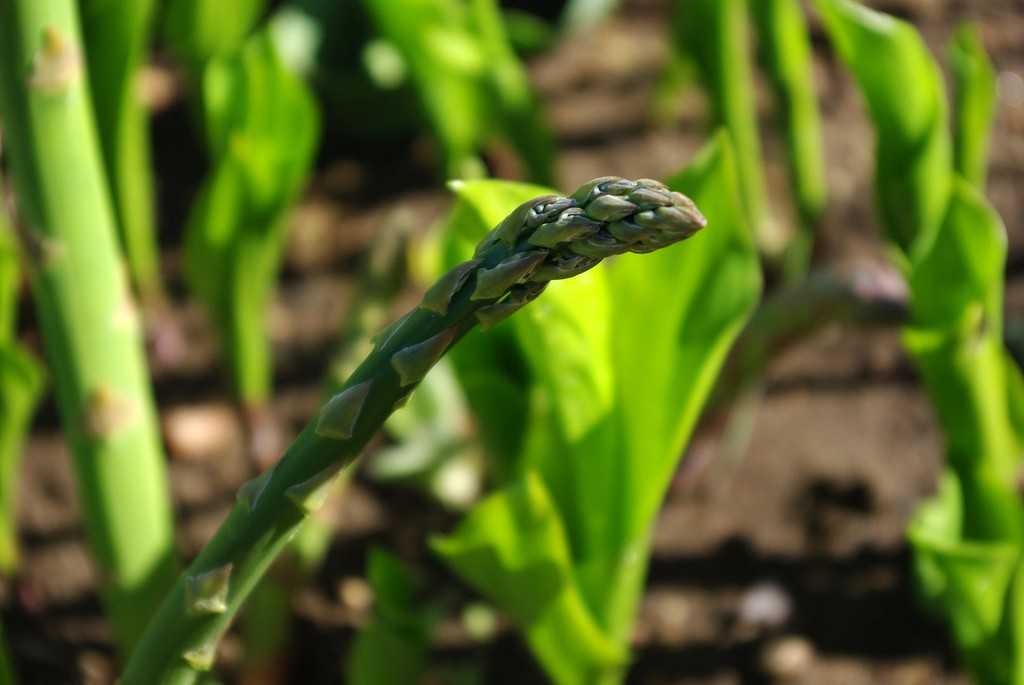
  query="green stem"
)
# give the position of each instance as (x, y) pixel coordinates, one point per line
(92, 336)
(544, 239)
(116, 35)
(715, 33)
(786, 46)
(975, 95)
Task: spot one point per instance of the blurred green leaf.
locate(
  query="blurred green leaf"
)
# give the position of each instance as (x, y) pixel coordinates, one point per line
(471, 85)
(201, 30)
(956, 344)
(262, 128)
(975, 104)
(715, 35)
(21, 386)
(513, 548)
(9, 280)
(393, 647)
(903, 89)
(975, 585)
(786, 48)
(964, 268)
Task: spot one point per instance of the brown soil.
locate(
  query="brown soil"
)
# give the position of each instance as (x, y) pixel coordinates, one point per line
(811, 514)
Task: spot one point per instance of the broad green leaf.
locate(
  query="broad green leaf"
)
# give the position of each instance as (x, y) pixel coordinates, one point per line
(513, 547)
(903, 89)
(490, 365)
(565, 337)
(715, 34)
(975, 104)
(677, 313)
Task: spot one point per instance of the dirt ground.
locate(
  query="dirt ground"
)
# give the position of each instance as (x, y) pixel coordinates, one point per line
(782, 563)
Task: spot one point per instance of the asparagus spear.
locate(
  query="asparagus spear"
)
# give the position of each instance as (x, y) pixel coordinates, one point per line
(542, 240)
(91, 331)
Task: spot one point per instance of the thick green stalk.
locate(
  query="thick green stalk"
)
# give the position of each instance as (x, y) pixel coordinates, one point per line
(715, 34)
(544, 239)
(90, 328)
(116, 35)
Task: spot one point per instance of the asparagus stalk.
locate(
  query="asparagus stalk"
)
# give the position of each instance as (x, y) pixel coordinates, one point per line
(91, 333)
(545, 239)
(267, 617)
(116, 35)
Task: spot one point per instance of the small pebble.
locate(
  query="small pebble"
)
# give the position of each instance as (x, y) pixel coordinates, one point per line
(202, 431)
(766, 605)
(787, 657)
(355, 594)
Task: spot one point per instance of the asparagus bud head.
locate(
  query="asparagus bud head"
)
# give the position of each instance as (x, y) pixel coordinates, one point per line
(551, 237)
